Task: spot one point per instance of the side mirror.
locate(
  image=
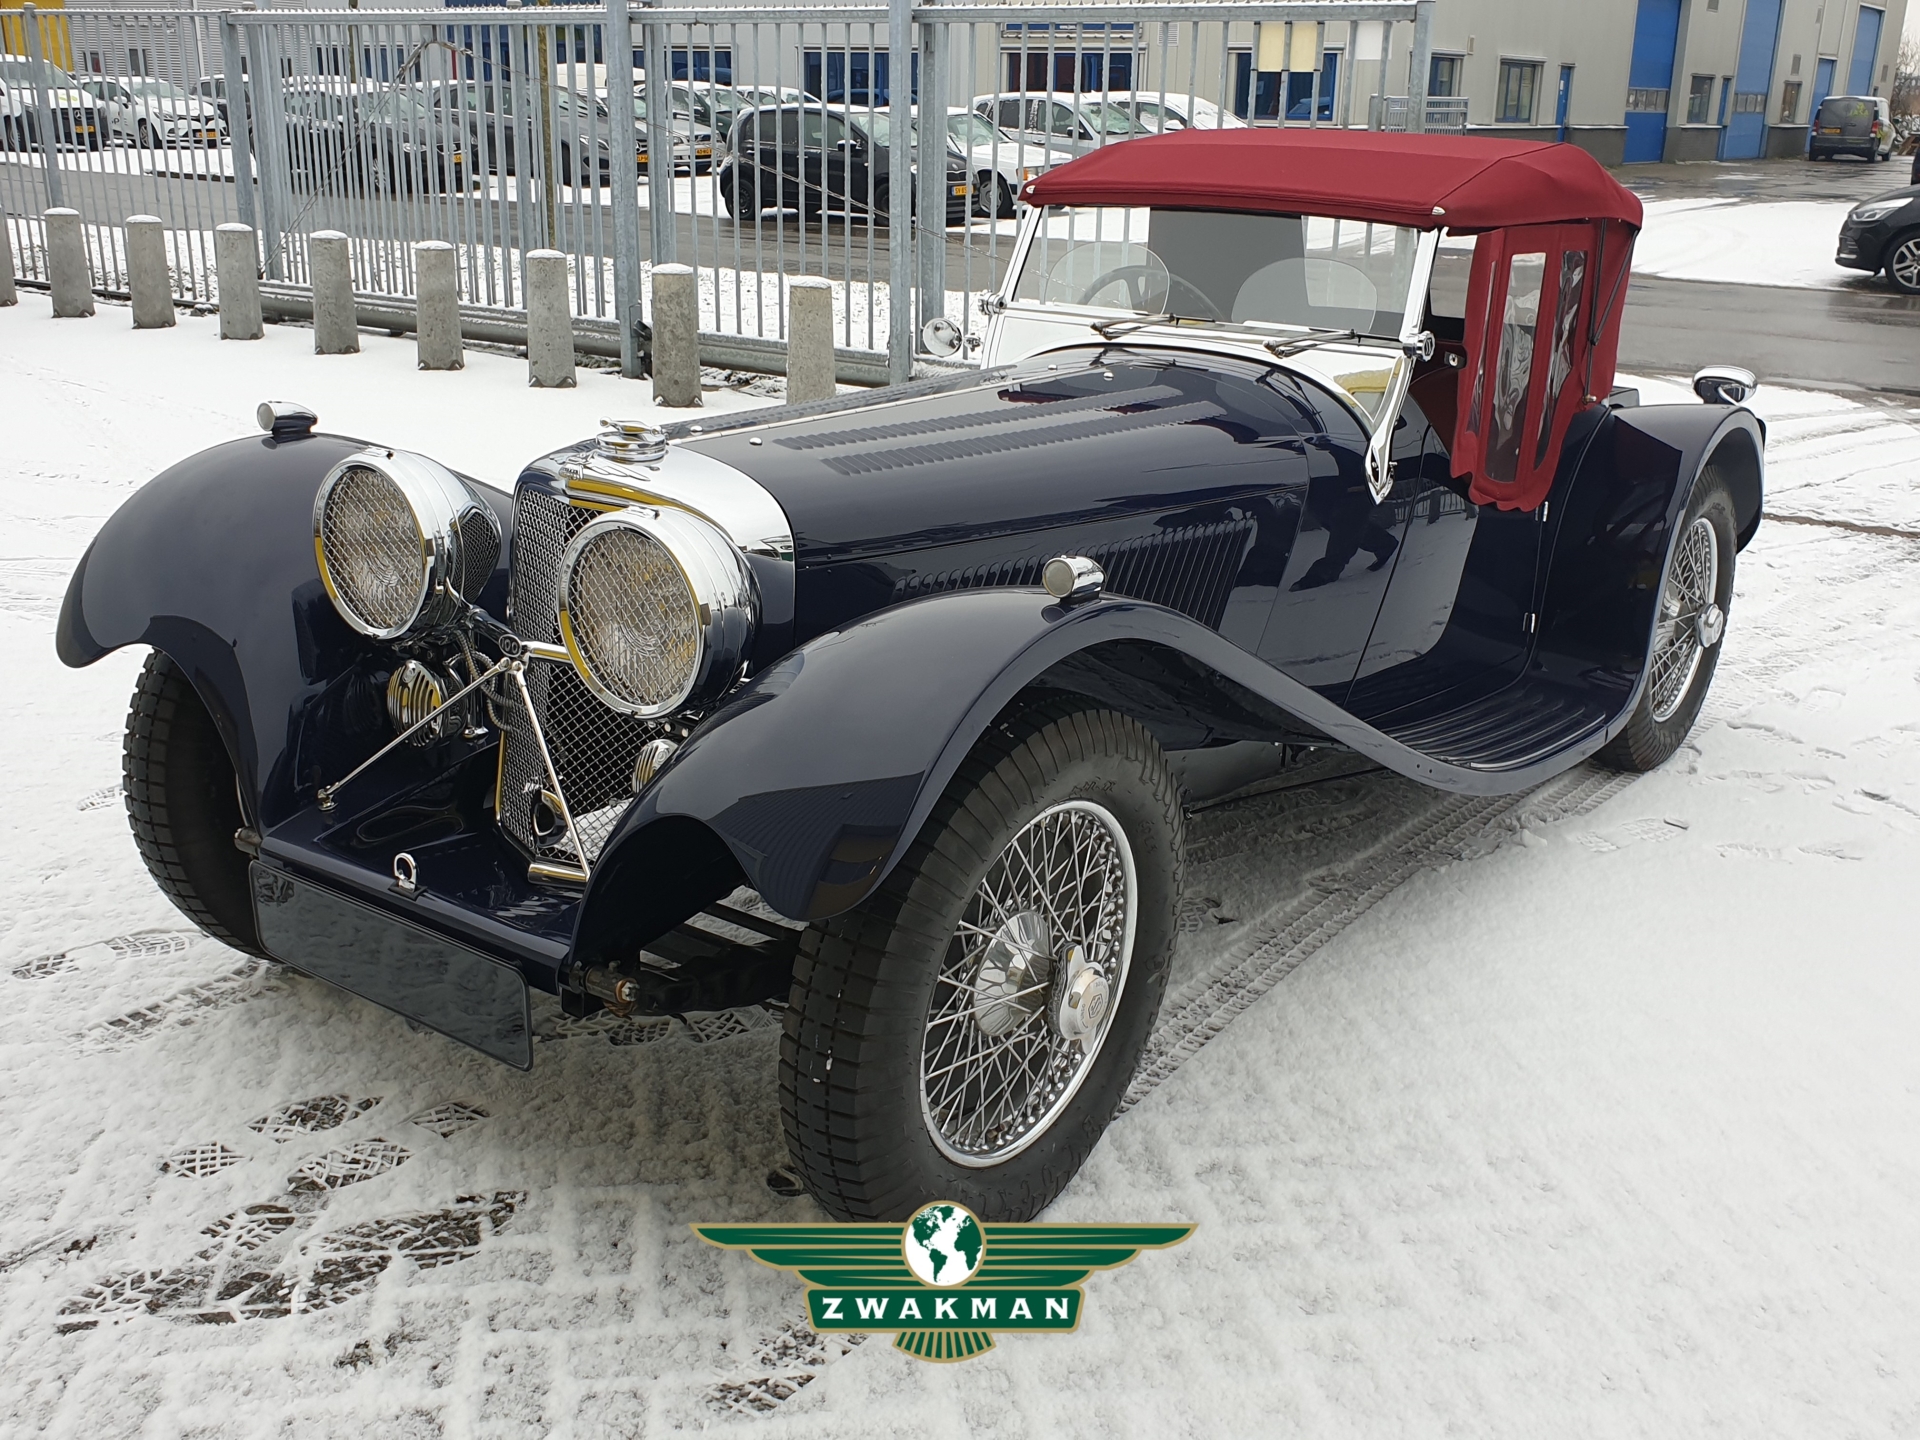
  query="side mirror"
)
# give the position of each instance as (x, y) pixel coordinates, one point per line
(1725, 385)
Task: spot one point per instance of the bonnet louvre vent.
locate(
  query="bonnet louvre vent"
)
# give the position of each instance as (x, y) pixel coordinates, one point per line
(1191, 570)
(1028, 414)
(1097, 426)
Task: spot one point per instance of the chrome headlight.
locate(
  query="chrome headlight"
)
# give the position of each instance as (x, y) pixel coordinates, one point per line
(657, 608)
(402, 542)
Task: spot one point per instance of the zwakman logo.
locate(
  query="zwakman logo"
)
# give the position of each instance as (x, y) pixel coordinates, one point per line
(944, 1280)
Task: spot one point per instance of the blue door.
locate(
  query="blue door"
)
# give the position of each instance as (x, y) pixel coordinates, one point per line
(1656, 34)
(1866, 48)
(1822, 87)
(1746, 133)
(1563, 102)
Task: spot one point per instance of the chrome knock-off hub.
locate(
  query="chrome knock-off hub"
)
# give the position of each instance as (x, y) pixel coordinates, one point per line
(1009, 986)
(1080, 1004)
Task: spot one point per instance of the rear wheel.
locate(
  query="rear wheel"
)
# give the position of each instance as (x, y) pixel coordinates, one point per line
(1903, 262)
(968, 1032)
(742, 195)
(184, 807)
(1686, 645)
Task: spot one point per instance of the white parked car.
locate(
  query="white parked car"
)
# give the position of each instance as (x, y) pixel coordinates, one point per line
(1173, 111)
(75, 114)
(1001, 164)
(150, 112)
(1060, 121)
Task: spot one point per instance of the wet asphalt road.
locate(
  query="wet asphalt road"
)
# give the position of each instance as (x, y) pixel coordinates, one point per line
(1863, 335)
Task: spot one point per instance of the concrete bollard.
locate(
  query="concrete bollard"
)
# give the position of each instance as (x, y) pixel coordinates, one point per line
(237, 264)
(437, 328)
(8, 295)
(549, 320)
(147, 273)
(336, 323)
(809, 341)
(67, 267)
(676, 336)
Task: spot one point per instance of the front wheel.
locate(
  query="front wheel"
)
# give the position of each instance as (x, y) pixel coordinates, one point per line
(184, 806)
(967, 1032)
(1694, 601)
(1903, 263)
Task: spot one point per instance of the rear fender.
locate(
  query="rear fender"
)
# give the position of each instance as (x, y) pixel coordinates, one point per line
(1613, 536)
(212, 562)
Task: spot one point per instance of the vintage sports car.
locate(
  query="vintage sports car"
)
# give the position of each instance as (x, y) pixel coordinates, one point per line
(886, 710)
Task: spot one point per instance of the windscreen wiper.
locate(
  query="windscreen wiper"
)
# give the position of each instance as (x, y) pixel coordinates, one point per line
(1284, 348)
(1110, 328)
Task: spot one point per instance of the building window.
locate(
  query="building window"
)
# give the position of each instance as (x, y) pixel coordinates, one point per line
(1519, 81)
(1648, 101)
(1789, 102)
(1699, 99)
(857, 77)
(139, 62)
(1750, 102)
(1444, 79)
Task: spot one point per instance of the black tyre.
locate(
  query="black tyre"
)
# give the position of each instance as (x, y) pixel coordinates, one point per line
(741, 194)
(1694, 601)
(183, 805)
(147, 139)
(967, 1033)
(1903, 263)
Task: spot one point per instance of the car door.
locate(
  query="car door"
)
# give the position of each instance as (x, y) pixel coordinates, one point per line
(1337, 571)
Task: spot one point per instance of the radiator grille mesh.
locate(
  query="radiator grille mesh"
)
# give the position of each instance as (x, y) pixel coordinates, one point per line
(593, 747)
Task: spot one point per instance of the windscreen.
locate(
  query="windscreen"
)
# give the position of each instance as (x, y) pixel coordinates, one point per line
(1280, 271)
(1850, 117)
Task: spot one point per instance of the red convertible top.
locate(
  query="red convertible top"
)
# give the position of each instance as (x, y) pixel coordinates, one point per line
(1464, 182)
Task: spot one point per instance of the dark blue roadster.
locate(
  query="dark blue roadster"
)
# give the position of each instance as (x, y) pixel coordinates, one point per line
(889, 708)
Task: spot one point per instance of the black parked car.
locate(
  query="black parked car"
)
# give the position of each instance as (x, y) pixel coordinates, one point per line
(369, 142)
(816, 160)
(1884, 234)
(884, 711)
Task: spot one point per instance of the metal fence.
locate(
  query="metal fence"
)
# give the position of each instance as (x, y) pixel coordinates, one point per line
(754, 144)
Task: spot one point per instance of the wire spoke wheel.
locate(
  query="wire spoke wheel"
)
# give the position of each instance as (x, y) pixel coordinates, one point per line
(1690, 618)
(1032, 978)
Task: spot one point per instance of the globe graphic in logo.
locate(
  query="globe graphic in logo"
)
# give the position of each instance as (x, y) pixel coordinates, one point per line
(943, 1243)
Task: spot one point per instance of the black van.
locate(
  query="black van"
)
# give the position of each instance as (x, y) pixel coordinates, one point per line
(1852, 125)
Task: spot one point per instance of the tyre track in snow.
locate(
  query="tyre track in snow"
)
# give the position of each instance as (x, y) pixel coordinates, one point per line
(1455, 827)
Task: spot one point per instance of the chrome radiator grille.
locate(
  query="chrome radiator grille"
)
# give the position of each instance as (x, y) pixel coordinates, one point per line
(593, 746)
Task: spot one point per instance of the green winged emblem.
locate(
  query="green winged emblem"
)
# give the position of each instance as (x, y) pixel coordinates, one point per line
(945, 1280)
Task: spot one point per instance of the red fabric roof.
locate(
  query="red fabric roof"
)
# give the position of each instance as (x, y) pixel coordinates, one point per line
(1465, 182)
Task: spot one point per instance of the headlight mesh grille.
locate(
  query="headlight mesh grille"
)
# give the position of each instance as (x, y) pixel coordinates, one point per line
(634, 618)
(373, 548)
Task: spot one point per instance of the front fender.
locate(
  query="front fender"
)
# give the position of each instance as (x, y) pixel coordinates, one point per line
(821, 771)
(212, 562)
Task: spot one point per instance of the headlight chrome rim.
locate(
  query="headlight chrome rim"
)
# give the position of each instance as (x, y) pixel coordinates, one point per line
(719, 585)
(456, 532)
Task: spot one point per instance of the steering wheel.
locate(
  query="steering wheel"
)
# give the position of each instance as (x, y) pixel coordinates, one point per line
(1137, 278)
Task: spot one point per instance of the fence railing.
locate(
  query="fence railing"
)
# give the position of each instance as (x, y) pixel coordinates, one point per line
(880, 147)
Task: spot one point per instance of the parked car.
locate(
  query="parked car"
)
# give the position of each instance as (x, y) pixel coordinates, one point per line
(817, 160)
(1172, 111)
(213, 90)
(1852, 125)
(713, 104)
(1884, 234)
(369, 139)
(75, 114)
(1000, 164)
(693, 143)
(883, 712)
(151, 113)
(1075, 123)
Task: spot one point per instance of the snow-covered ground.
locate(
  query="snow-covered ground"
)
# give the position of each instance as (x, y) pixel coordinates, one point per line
(1586, 1112)
(1747, 242)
